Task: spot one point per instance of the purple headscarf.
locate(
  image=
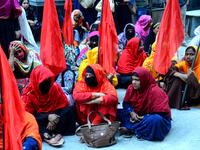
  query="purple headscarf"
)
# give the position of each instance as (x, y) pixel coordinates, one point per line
(9, 8)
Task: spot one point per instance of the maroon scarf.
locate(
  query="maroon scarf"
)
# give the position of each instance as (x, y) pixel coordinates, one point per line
(149, 98)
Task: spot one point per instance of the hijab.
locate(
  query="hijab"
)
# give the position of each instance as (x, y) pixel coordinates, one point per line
(149, 98)
(184, 66)
(129, 58)
(129, 34)
(36, 101)
(91, 81)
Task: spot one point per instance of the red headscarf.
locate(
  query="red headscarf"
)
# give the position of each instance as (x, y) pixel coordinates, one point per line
(103, 86)
(149, 98)
(36, 102)
(129, 59)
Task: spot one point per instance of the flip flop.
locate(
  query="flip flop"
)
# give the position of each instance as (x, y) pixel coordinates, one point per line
(59, 143)
(127, 135)
(53, 140)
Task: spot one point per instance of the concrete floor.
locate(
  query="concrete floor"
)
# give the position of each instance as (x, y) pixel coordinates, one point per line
(184, 135)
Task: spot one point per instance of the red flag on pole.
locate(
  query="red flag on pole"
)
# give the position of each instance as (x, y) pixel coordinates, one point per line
(170, 37)
(13, 109)
(67, 28)
(51, 47)
(108, 39)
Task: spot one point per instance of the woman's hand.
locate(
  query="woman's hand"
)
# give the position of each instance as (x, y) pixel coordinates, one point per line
(94, 101)
(110, 77)
(84, 28)
(135, 117)
(99, 95)
(53, 118)
(14, 49)
(51, 126)
(183, 77)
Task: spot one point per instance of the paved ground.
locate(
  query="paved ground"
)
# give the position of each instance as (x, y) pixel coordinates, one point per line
(184, 135)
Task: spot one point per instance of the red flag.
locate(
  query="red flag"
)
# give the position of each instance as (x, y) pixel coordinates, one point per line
(67, 28)
(170, 37)
(108, 39)
(13, 109)
(51, 47)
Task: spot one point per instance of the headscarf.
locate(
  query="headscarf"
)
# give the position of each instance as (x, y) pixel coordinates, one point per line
(9, 8)
(103, 86)
(74, 13)
(150, 98)
(31, 59)
(94, 27)
(128, 34)
(184, 66)
(91, 81)
(122, 38)
(84, 50)
(35, 101)
(150, 39)
(129, 59)
(140, 26)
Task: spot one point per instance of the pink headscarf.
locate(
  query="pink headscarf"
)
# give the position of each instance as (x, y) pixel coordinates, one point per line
(8, 8)
(85, 48)
(140, 26)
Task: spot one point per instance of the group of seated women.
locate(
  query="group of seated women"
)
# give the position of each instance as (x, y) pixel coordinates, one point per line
(57, 104)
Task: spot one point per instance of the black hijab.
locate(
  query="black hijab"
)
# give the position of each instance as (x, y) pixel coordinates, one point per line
(91, 81)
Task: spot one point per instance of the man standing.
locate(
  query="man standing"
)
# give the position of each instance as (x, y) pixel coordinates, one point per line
(141, 9)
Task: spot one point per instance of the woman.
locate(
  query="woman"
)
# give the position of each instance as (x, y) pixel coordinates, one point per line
(143, 25)
(31, 16)
(95, 92)
(92, 43)
(196, 40)
(80, 27)
(148, 63)
(10, 10)
(22, 60)
(146, 111)
(150, 39)
(91, 58)
(133, 56)
(124, 37)
(47, 102)
(180, 74)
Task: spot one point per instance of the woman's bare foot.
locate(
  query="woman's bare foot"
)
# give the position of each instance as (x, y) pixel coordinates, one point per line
(81, 139)
(123, 130)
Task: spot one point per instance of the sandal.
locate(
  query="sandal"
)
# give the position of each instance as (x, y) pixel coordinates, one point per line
(53, 140)
(59, 143)
(127, 135)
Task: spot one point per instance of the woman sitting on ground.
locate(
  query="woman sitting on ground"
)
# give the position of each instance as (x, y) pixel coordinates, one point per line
(124, 37)
(91, 58)
(47, 102)
(133, 56)
(146, 111)
(150, 39)
(180, 74)
(148, 63)
(95, 92)
(142, 26)
(22, 60)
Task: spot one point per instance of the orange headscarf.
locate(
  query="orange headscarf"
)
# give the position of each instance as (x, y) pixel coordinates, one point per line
(184, 66)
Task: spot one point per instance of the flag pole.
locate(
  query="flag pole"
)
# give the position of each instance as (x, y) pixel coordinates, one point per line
(183, 98)
(1, 103)
(99, 34)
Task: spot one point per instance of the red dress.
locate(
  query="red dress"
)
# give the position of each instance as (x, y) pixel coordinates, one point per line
(83, 93)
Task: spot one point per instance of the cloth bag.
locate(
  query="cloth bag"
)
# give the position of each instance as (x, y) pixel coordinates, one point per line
(99, 135)
(87, 3)
(112, 6)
